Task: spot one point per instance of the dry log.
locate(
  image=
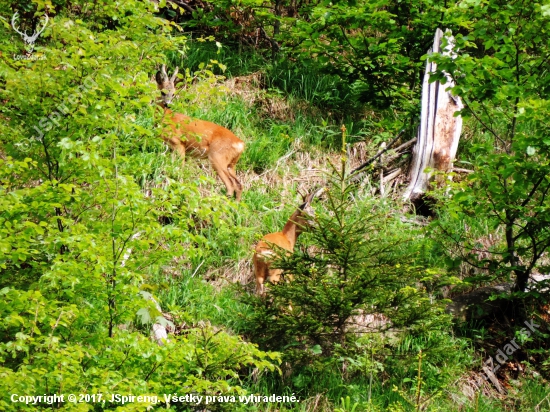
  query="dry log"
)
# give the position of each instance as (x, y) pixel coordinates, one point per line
(392, 175)
(494, 380)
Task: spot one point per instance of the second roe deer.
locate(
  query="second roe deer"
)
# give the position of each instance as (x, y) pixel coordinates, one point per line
(285, 239)
(200, 138)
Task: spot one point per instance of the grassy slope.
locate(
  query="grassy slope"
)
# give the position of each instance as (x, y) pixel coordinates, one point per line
(289, 145)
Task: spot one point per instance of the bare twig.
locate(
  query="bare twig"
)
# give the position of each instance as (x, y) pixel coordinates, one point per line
(380, 153)
(459, 170)
(183, 4)
(275, 46)
(406, 144)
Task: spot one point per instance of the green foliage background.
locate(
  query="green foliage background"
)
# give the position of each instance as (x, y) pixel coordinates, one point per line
(80, 237)
(98, 221)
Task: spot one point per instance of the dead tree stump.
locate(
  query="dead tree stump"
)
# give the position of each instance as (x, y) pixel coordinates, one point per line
(439, 131)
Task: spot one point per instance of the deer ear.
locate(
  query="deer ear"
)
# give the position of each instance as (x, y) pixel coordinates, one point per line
(311, 196)
(158, 77)
(302, 194)
(174, 75)
(319, 192)
(161, 76)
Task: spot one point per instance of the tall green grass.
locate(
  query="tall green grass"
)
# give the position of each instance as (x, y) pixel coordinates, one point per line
(293, 79)
(198, 301)
(237, 62)
(299, 80)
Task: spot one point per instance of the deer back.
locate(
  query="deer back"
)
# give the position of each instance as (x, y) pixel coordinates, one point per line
(201, 138)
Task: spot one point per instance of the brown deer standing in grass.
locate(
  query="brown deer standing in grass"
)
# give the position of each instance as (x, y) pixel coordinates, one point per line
(286, 239)
(200, 138)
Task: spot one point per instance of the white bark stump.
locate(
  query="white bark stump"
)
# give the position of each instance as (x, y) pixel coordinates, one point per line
(439, 131)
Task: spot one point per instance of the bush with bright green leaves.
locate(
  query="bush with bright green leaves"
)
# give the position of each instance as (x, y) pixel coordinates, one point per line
(500, 71)
(80, 239)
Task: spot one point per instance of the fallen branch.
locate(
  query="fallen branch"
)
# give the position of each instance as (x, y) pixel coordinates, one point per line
(392, 175)
(413, 221)
(494, 380)
(377, 155)
(398, 150)
(275, 46)
(183, 4)
(459, 170)
(382, 188)
(406, 144)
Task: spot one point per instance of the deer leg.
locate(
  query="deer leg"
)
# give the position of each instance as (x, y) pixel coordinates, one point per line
(224, 175)
(260, 269)
(236, 183)
(260, 285)
(179, 148)
(260, 280)
(260, 288)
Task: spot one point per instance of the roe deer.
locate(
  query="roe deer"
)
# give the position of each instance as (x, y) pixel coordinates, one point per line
(286, 239)
(200, 138)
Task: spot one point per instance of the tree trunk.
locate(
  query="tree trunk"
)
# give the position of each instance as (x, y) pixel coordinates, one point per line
(439, 130)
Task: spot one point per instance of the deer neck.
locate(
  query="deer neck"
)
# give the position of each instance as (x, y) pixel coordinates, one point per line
(162, 105)
(166, 112)
(293, 227)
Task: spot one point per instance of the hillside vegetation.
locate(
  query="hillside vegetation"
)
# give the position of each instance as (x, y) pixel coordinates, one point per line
(107, 237)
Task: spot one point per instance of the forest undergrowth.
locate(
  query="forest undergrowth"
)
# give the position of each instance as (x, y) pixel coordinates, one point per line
(105, 234)
(290, 151)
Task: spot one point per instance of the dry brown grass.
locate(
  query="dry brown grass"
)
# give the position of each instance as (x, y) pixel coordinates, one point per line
(302, 169)
(472, 385)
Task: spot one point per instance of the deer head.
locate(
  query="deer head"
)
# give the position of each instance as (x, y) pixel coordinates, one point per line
(166, 85)
(29, 40)
(301, 218)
